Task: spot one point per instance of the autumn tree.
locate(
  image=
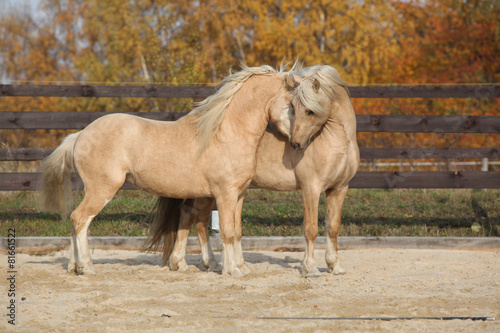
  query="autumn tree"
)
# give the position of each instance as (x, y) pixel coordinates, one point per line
(190, 42)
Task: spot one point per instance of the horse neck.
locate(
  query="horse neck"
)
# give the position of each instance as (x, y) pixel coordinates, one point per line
(248, 113)
(342, 120)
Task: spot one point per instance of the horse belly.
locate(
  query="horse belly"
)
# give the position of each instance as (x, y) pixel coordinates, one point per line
(167, 173)
(172, 186)
(275, 182)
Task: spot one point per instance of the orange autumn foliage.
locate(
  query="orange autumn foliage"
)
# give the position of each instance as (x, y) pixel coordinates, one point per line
(192, 42)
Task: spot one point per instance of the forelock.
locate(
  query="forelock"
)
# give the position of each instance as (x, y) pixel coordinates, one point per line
(308, 97)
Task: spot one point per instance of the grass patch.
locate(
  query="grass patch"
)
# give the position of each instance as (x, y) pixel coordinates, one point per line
(266, 213)
(381, 213)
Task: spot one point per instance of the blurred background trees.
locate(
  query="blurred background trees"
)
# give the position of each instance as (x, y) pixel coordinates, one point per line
(182, 42)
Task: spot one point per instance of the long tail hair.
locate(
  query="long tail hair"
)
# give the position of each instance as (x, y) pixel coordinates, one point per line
(55, 191)
(163, 230)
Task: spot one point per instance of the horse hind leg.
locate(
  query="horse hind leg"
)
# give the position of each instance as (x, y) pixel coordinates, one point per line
(334, 203)
(71, 263)
(94, 201)
(205, 206)
(207, 254)
(194, 211)
(177, 260)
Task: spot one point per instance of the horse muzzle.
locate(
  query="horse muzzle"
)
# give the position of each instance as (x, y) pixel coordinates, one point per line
(298, 145)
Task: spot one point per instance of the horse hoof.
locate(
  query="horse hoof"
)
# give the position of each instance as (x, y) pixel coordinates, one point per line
(244, 269)
(214, 267)
(71, 267)
(338, 270)
(237, 273)
(180, 266)
(85, 270)
(312, 273)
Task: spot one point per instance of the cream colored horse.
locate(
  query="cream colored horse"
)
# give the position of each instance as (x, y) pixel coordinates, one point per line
(210, 152)
(328, 164)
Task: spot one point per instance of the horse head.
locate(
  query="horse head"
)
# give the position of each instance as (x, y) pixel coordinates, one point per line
(313, 91)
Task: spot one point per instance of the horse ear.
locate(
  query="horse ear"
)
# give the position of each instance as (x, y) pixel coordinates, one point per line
(316, 85)
(290, 82)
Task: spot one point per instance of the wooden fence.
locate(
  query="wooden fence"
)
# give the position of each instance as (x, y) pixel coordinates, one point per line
(365, 123)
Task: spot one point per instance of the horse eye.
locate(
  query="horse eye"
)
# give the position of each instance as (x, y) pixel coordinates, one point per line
(310, 113)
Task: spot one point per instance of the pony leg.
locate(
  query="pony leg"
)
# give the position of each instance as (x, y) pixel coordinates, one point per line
(205, 206)
(207, 254)
(177, 261)
(227, 204)
(82, 216)
(238, 251)
(310, 198)
(71, 263)
(334, 203)
(194, 211)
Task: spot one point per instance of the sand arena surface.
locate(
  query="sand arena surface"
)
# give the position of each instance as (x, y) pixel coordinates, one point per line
(132, 292)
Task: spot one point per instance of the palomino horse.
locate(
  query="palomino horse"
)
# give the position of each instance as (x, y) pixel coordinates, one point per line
(328, 164)
(209, 153)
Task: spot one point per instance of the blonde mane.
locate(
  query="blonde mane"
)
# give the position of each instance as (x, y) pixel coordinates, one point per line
(328, 77)
(211, 111)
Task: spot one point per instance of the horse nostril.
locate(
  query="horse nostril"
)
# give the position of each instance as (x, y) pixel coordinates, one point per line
(296, 145)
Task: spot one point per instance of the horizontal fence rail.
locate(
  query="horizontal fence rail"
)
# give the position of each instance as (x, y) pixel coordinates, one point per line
(36, 154)
(362, 179)
(416, 153)
(152, 91)
(365, 122)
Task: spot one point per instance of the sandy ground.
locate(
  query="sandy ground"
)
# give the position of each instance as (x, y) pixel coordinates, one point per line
(132, 292)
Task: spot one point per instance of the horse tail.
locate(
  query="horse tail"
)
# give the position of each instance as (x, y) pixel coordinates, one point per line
(167, 213)
(55, 192)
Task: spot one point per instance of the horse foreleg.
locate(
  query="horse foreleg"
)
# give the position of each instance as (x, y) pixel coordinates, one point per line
(334, 203)
(310, 198)
(238, 251)
(227, 204)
